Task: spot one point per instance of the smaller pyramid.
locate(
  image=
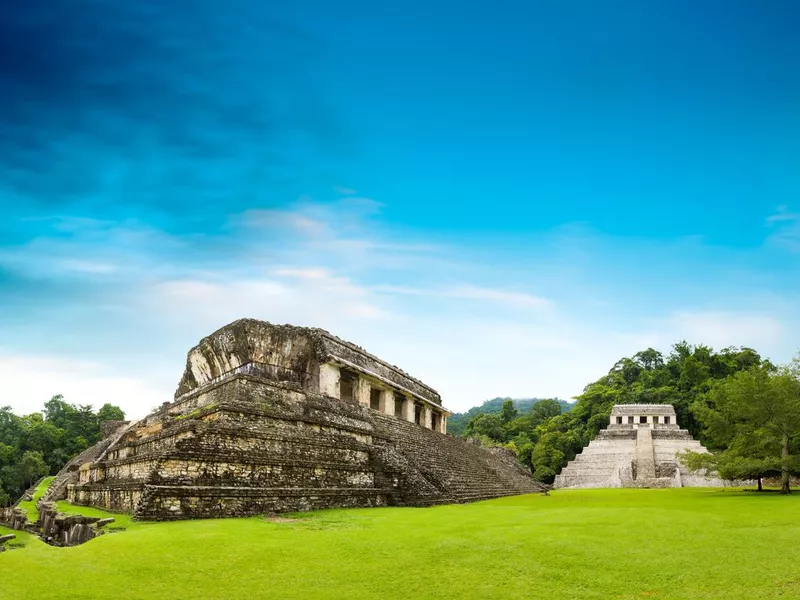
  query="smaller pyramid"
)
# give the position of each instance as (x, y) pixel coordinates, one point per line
(639, 448)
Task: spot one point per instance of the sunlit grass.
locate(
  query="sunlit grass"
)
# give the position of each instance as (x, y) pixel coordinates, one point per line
(121, 520)
(30, 505)
(681, 543)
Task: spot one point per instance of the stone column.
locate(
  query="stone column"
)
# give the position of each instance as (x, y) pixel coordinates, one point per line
(387, 402)
(329, 378)
(444, 424)
(362, 391)
(427, 416)
(408, 407)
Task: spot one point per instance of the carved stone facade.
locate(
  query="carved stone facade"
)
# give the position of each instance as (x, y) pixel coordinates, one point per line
(639, 448)
(270, 418)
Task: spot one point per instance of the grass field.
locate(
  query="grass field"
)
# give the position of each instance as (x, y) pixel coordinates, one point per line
(30, 505)
(680, 543)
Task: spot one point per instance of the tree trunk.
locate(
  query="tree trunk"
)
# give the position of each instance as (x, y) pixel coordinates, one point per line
(785, 465)
(760, 489)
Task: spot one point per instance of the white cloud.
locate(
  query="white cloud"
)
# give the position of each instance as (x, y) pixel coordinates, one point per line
(471, 292)
(442, 312)
(345, 191)
(92, 267)
(31, 380)
(273, 219)
(785, 227)
(720, 329)
(782, 214)
(320, 302)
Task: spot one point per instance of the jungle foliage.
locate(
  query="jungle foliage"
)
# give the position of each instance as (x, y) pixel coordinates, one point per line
(457, 422)
(753, 418)
(41, 443)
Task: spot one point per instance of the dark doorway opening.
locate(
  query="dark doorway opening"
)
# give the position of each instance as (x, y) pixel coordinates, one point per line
(347, 385)
(399, 400)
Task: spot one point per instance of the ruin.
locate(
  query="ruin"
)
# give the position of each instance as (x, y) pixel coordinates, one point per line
(276, 418)
(639, 448)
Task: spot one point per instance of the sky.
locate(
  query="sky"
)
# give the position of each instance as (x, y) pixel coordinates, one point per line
(502, 198)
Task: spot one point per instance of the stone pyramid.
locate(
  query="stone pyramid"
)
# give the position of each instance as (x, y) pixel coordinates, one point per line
(278, 418)
(638, 449)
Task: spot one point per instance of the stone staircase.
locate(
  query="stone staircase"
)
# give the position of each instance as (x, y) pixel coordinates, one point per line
(458, 470)
(69, 474)
(642, 457)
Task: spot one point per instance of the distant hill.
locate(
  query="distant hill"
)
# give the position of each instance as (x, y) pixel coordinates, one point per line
(458, 421)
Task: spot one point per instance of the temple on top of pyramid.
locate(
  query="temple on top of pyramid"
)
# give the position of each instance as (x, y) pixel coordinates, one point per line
(639, 448)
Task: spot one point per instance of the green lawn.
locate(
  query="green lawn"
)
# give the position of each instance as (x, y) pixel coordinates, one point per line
(121, 520)
(30, 505)
(682, 543)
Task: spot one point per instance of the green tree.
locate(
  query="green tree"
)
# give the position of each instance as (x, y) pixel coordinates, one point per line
(508, 412)
(754, 416)
(488, 425)
(109, 412)
(543, 410)
(552, 452)
(31, 467)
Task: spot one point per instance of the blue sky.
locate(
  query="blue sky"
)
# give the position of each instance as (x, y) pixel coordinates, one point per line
(503, 199)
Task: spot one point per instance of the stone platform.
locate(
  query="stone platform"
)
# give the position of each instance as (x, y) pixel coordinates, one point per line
(280, 419)
(639, 448)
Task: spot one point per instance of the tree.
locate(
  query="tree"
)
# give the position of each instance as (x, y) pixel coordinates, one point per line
(649, 359)
(488, 425)
(754, 417)
(543, 410)
(32, 467)
(508, 412)
(554, 450)
(109, 412)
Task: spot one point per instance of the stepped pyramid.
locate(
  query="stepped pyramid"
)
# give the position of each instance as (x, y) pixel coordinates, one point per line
(637, 449)
(276, 418)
